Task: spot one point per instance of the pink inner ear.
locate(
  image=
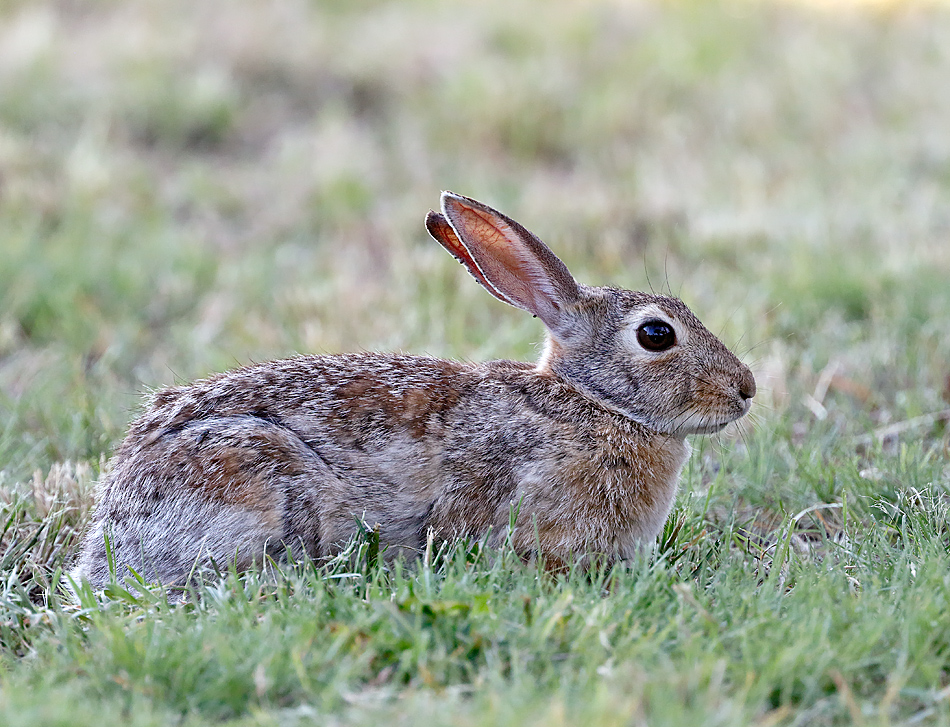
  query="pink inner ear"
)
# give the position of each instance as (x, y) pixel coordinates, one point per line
(442, 231)
(501, 254)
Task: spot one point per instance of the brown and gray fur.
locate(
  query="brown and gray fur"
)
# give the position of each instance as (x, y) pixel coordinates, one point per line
(289, 455)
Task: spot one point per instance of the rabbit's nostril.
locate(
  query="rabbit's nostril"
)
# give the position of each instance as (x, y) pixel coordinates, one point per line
(747, 385)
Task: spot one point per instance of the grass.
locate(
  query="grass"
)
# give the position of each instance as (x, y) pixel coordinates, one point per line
(189, 186)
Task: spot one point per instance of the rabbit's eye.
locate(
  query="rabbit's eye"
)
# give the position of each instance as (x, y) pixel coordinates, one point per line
(656, 336)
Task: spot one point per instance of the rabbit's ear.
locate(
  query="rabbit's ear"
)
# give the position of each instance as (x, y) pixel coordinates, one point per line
(443, 233)
(509, 260)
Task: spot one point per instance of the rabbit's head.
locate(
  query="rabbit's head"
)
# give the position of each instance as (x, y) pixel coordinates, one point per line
(645, 356)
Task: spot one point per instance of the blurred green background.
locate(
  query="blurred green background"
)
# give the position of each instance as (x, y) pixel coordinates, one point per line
(188, 186)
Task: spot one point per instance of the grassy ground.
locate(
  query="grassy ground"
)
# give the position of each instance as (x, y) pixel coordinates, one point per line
(185, 186)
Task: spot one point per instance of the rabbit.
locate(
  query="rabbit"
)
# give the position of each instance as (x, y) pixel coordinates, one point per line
(293, 456)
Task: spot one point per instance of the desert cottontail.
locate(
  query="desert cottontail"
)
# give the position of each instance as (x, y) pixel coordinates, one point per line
(292, 455)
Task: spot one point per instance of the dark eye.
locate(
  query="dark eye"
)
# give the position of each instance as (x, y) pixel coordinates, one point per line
(656, 336)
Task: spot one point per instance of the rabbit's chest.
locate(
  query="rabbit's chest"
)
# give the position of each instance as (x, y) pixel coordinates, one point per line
(612, 494)
(641, 477)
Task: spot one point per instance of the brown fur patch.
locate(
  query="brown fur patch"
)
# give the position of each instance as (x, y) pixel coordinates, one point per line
(235, 462)
(413, 406)
(233, 476)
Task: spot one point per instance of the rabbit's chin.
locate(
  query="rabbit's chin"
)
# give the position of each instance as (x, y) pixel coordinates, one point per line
(681, 429)
(705, 428)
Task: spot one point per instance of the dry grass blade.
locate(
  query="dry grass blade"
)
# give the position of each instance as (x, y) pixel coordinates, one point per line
(894, 430)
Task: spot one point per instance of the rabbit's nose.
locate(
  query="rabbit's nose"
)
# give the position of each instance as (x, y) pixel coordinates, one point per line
(747, 385)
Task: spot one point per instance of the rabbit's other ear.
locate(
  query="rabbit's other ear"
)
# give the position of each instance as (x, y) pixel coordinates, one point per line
(443, 233)
(514, 262)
